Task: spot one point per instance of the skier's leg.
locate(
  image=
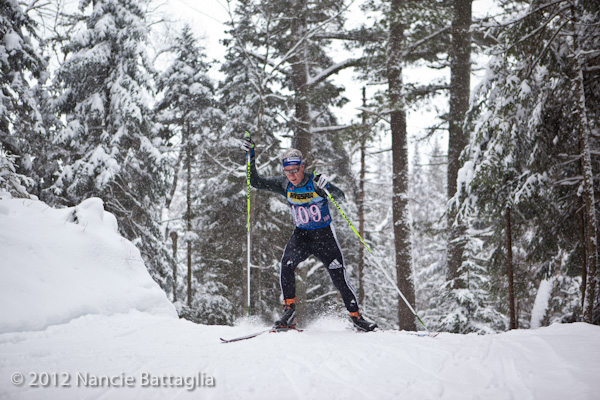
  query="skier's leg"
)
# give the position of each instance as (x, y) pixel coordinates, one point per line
(327, 249)
(330, 253)
(339, 277)
(295, 252)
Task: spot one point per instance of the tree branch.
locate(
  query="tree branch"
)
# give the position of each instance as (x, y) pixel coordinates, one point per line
(334, 69)
(358, 35)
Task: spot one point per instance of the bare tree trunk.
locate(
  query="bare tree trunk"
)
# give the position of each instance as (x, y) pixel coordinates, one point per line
(589, 198)
(460, 81)
(174, 241)
(189, 213)
(509, 263)
(361, 202)
(406, 320)
(175, 179)
(253, 249)
(173, 187)
(583, 253)
(302, 139)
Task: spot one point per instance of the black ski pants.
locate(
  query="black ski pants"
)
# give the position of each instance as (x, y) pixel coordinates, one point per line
(323, 244)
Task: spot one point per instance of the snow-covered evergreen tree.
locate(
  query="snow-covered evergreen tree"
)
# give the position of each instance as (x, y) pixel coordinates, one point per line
(188, 114)
(23, 133)
(526, 152)
(113, 147)
(11, 181)
(381, 298)
(471, 308)
(427, 204)
(249, 103)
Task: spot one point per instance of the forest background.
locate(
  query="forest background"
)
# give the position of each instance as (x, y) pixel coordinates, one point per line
(486, 218)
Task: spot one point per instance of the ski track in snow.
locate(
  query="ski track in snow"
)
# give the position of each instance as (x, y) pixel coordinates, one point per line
(314, 364)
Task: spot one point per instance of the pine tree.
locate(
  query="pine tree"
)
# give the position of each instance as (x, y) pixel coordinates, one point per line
(188, 113)
(412, 32)
(524, 155)
(23, 134)
(11, 181)
(428, 226)
(394, 62)
(113, 146)
(405, 33)
(249, 103)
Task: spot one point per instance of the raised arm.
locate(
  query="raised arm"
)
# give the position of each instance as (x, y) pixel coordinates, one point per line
(273, 184)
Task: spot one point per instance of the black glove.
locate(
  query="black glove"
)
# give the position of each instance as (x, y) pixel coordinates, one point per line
(248, 146)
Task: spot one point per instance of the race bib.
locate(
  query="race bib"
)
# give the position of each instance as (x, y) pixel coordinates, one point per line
(309, 210)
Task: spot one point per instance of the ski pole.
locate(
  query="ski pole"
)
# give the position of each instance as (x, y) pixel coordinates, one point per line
(249, 237)
(399, 292)
(344, 215)
(376, 263)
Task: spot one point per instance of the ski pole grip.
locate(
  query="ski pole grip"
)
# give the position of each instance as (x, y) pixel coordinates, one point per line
(248, 139)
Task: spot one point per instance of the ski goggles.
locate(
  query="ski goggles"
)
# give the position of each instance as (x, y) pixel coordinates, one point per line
(291, 171)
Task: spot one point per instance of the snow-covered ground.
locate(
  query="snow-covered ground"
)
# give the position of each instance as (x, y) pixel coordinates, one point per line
(82, 319)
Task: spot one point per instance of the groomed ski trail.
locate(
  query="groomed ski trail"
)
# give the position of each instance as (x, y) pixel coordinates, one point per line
(323, 362)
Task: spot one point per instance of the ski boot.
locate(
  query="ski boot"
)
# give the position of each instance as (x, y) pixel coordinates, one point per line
(360, 323)
(288, 319)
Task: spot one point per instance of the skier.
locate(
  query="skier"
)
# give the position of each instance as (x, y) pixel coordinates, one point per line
(313, 234)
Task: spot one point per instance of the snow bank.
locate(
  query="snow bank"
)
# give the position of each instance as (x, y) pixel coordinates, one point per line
(59, 264)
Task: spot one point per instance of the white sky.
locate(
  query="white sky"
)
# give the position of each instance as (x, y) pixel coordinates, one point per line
(207, 18)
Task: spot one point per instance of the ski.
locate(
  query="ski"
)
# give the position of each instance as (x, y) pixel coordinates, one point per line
(422, 334)
(418, 334)
(255, 334)
(411, 333)
(249, 336)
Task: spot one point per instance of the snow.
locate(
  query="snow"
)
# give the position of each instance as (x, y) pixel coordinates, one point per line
(541, 302)
(12, 41)
(319, 363)
(82, 319)
(59, 264)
